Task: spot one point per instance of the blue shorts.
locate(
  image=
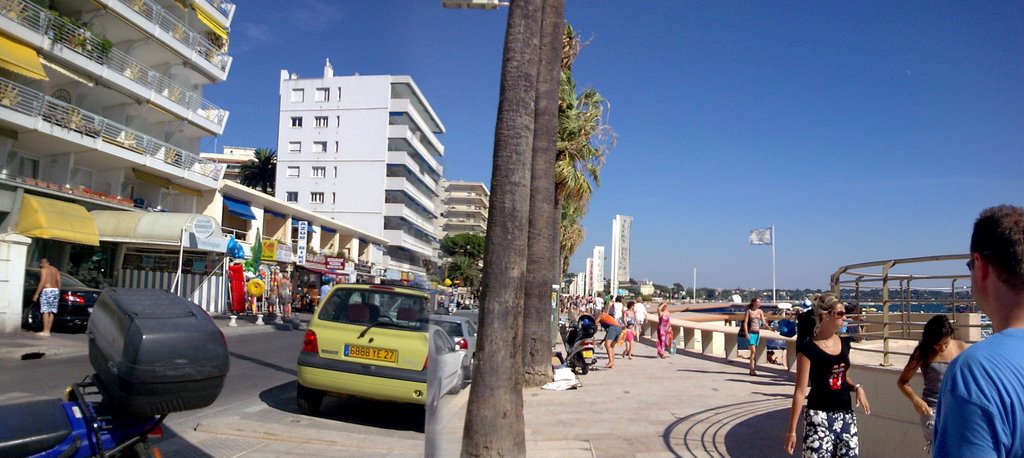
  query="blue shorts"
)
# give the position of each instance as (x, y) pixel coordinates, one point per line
(753, 339)
(612, 333)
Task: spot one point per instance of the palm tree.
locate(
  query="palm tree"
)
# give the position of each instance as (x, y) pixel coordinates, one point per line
(261, 171)
(494, 414)
(466, 270)
(542, 256)
(584, 139)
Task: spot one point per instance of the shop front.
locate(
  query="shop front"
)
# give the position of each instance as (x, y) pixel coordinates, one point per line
(179, 252)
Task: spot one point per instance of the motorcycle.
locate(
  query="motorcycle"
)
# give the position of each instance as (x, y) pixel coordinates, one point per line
(137, 380)
(578, 337)
(81, 425)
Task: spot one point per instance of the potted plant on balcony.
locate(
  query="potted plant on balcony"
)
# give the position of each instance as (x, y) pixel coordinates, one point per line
(8, 95)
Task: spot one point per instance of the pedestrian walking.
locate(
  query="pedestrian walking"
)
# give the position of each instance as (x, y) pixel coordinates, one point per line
(615, 308)
(753, 320)
(47, 294)
(641, 318)
(664, 329)
(933, 354)
(629, 320)
(982, 394)
(284, 288)
(823, 363)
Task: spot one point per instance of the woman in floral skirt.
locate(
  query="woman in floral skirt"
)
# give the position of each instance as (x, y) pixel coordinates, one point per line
(823, 363)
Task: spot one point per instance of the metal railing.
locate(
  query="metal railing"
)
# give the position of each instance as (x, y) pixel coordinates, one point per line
(59, 30)
(179, 31)
(898, 324)
(29, 102)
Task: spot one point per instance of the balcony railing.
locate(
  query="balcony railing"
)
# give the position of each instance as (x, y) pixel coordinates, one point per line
(100, 51)
(175, 28)
(28, 102)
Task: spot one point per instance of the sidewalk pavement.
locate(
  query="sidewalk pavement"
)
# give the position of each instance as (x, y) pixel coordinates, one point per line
(684, 405)
(23, 344)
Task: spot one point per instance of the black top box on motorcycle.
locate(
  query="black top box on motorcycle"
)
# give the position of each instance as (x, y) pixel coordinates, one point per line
(155, 352)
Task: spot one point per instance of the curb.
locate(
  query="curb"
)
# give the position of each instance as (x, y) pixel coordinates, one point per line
(307, 435)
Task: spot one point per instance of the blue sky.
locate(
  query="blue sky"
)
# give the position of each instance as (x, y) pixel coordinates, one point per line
(862, 130)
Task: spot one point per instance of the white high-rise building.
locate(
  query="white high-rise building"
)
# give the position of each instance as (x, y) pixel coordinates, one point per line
(580, 285)
(598, 269)
(620, 251)
(364, 150)
(102, 109)
(466, 206)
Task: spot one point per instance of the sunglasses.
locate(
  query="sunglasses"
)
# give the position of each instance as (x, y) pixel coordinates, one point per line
(838, 313)
(970, 265)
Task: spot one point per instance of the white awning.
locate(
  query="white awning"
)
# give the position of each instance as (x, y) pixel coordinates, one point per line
(197, 231)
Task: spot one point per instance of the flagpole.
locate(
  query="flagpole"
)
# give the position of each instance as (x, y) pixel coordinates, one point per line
(773, 265)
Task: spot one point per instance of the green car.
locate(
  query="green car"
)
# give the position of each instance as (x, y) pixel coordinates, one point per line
(373, 342)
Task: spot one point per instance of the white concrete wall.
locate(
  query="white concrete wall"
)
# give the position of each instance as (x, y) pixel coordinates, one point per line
(13, 251)
(893, 423)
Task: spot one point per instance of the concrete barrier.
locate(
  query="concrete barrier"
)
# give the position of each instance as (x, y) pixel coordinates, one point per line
(718, 339)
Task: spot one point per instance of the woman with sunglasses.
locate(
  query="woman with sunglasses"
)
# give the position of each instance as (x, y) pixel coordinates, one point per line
(933, 354)
(823, 364)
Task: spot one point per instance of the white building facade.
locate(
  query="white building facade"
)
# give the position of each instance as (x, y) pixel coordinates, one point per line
(466, 205)
(364, 150)
(598, 270)
(620, 251)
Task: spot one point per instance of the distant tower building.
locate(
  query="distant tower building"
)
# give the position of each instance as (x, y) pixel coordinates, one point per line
(589, 285)
(364, 150)
(465, 207)
(580, 284)
(599, 269)
(620, 250)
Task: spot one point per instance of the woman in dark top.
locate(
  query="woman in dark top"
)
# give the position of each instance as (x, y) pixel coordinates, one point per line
(823, 363)
(932, 355)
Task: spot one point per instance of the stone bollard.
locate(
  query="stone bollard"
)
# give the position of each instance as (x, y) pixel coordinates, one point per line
(259, 319)
(234, 322)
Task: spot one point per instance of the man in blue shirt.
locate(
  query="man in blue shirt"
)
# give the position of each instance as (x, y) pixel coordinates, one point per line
(981, 403)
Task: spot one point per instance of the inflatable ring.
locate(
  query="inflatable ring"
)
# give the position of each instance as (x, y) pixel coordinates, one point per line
(255, 287)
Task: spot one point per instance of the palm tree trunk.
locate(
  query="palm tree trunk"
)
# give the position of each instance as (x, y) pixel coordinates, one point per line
(494, 415)
(542, 255)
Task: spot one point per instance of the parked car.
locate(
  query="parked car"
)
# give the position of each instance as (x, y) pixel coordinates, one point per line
(374, 341)
(462, 331)
(73, 309)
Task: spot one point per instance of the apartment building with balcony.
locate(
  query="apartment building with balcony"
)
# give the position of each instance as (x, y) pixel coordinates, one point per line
(364, 150)
(465, 205)
(102, 109)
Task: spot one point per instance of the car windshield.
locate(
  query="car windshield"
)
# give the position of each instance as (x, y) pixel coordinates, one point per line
(452, 328)
(375, 308)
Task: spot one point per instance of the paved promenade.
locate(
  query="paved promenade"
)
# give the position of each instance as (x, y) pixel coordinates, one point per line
(683, 405)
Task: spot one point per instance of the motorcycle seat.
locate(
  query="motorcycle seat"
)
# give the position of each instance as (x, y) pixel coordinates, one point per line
(32, 427)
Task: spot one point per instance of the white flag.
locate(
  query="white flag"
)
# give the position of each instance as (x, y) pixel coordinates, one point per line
(761, 236)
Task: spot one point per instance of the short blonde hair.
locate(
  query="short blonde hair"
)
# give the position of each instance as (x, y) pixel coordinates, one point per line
(824, 303)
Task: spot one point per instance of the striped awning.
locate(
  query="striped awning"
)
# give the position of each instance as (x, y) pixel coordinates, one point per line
(53, 219)
(20, 59)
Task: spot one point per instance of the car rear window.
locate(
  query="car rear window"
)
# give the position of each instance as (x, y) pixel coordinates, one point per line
(368, 307)
(453, 329)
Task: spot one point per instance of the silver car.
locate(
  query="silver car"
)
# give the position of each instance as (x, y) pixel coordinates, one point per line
(463, 333)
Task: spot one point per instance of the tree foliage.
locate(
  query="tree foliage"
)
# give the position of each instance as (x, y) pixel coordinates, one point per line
(260, 172)
(468, 245)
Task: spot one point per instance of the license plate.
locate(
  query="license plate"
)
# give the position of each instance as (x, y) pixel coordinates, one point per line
(376, 354)
(588, 353)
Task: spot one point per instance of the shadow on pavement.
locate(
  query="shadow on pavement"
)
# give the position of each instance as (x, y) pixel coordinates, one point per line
(761, 435)
(374, 414)
(172, 445)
